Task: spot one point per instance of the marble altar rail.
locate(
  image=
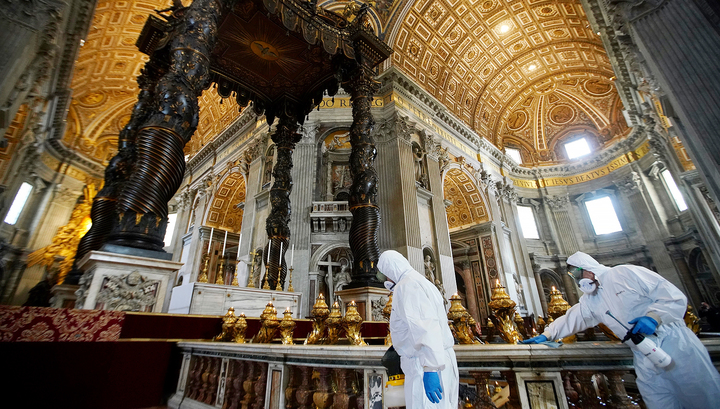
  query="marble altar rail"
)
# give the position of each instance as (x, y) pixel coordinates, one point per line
(228, 375)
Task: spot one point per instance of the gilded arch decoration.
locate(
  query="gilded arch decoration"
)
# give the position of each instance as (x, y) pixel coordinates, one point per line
(468, 206)
(224, 212)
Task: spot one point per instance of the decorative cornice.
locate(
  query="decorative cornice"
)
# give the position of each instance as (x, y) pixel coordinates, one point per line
(245, 118)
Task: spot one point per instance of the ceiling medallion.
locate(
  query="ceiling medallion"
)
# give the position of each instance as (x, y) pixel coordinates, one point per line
(264, 50)
(487, 6)
(597, 88)
(546, 11)
(561, 114)
(517, 120)
(92, 99)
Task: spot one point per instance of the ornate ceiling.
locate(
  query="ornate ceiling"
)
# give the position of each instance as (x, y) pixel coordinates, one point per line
(467, 206)
(224, 214)
(520, 72)
(104, 86)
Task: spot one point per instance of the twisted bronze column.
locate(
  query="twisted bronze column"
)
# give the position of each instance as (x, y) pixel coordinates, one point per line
(363, 192)
(276, 224)
(160, 164)
(104, 205)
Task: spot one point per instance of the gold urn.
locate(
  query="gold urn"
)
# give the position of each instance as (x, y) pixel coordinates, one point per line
(458, 316)
(386, 311)
(334, 324)
(320, 312)
(287, 328)
(503, 309)
(269, 324)
(228, 326)
(557, 307)
(240, 328)
(352, 323)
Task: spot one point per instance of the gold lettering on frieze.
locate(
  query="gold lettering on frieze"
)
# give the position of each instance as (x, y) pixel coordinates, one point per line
(330, 103)
(597, 173)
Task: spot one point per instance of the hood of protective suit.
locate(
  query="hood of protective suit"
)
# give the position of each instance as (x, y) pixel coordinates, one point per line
(588, 263)
(394, 265)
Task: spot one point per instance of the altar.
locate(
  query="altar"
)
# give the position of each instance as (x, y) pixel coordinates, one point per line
(213, 299)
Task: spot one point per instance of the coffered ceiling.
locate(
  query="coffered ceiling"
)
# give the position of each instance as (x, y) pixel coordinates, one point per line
(466, 203)
(105, 89)
(517, 71)
(522, 73)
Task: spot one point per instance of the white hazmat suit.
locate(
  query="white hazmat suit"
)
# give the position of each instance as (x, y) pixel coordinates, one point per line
(629, 292)
(420, 333)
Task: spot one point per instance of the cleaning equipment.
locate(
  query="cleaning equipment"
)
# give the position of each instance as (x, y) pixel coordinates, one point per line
(395, 387)
(648, 348)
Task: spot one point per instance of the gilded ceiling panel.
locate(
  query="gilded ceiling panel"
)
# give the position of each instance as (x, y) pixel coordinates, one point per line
(467, 206)
(224, 213)
(105, 89)
(485, 59)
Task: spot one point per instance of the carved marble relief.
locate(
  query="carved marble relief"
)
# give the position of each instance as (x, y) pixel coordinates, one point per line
(131, 292)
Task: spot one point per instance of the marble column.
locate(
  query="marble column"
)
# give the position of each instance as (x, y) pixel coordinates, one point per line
(695, 297)
(679, 46)
(253, 187)
(303, 175)
(635, 199)
(541, 293)
(442, 232)
(398, 196)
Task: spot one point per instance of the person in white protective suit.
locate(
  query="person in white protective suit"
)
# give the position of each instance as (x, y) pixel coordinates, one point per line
(651, 305)
(420, 335)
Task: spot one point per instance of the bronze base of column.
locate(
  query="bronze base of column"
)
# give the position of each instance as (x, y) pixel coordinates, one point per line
(142, 231)
(363, 242)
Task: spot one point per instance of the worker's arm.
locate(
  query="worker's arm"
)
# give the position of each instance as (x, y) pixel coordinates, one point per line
(668, 303)
(576, 319)
(423, 326)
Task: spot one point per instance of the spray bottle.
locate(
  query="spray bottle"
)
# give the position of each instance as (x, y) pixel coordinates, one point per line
(648, 348)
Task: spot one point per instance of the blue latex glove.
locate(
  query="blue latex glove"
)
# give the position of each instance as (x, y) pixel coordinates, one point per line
(433, 390)
(644, 325)
(535, 340)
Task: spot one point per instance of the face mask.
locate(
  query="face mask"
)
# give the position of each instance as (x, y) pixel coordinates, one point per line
(588, 286)
(389, 285)
(380, 276)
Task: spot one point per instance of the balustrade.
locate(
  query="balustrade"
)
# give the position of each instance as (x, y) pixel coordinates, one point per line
(581, 375)
(330, 217)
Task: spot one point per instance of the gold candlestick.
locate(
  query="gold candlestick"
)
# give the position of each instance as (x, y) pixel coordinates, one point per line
(203, 277)
(220, 274)
(278, 286)
(290, 288)
(235, 275)
(266, 285)
(251, 276)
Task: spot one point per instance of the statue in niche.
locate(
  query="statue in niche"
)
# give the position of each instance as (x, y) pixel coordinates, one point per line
(429, 269)
(342, 278)
(418, 156)
(520, 291)
(257, 267)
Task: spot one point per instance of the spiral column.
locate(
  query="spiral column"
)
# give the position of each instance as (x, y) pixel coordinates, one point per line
(276, 224)
(104, 204)
(363, 192)
(159, 166)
